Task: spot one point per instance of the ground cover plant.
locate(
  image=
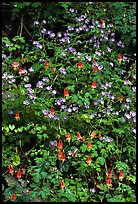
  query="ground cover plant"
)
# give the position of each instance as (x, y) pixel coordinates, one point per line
(69, 109)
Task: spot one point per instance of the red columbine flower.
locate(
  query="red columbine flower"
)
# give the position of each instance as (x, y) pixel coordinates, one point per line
(88, 160)
(52, 111)
(11, 169)
(78, 136)
(93, 134)
(120, 58)
(95, 69)
(66, 92)
(54, 69)
(103, 23)
(89, 144)
(80, 65)
(94, 85)
(68, 137)
(46, 65)
(20, 70)
(17, 116)
(121, 175)
(19, 174)
(74, 153)
(108, 182)
(99, 134)
(15, 64)
(94, 60)
(109, 173)
(60, 145)
(60, 155)
(83, 139)
(121, 97)
(63, 157)
(14, 196)
(62, 184)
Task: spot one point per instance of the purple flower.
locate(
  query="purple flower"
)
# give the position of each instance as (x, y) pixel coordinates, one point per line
(63, 54)
(26, 78)
(133, 130)
(63, 106)
(52, 35)
(44, 21)
(7, 45)
(51, 143)
(45, 79)
(126, 106)
(95, 103)
(36, 23)
(53, 92)
(88, 58)
(75, 109)
(85, 105)
(31, 69)
(50, 115)
(27, 85)
(70, 153)
(134, 119)
(110, 139)
(134, 88)
(37, 43)
(30, 90)
(62, 70)
(40, 84)
(100, 67)
(26, 102)
(132, 113)
(43, 31)
(24, 71)
(69, 110)
(64, 118)
(45, 112)
(59, 34)
(127, 116)
(62, 100)
(49, 88)
(109, 49)
(128, 100)
(56, 118)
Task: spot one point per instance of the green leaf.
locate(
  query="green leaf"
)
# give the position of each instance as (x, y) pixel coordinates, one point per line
(101, 160)
(11, 127)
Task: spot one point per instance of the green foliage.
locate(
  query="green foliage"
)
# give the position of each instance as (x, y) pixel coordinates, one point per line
(67, 144)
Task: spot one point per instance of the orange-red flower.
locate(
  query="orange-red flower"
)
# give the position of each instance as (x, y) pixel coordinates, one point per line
(74, 153)
(17, 116)
(94, 60)
(66, 92)
(14, 196)
(121, 175)
(60, 145)
(54, 69)
(19, 174)
(60, 155)
(62, 184)
(93, 134)
(24, 59)
(83, 139)
(63, 157)
(99, 134)
(108, 182)
(78, 136)
(52, 111)
(15, 64)
(20, 70)
(68, 137)
(121, 97)
(103, 23)
(11, 169)
(94, 85)
(120, 58)
(89, 144)
(95, 69)
(46, 64)
(80, 65)
(88, 160)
